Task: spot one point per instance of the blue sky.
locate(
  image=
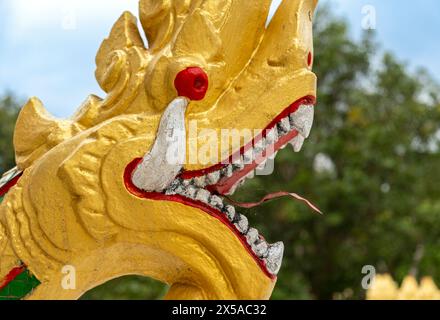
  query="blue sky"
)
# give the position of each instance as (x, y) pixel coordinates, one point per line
(48, 47)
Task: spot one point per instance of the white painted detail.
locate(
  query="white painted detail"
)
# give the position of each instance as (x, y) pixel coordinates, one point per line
(302, 119)
(163, 163)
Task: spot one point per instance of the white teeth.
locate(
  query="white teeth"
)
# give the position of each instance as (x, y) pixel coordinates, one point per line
(243, 224)
(259, 147)
(274, 257)
(283, 126)
(302, 119)
(230, 212)
(252, 236)
(175, 187)
(202, 195)
(190, 192)
(248, 156)
(238, 166)
(216, 202)
(272, 136)
(260, 248)
(200, 181)
(213, 177)
(297, 143)
(228, 171)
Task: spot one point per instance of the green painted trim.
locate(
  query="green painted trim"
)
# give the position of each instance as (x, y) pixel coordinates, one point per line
(20, 287)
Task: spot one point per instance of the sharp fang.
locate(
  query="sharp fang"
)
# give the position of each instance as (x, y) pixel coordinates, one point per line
(163, 163)
(274, 257)
(297, 143)
(302, 120)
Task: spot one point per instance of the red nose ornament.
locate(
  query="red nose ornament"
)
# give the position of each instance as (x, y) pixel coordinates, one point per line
(192, 83)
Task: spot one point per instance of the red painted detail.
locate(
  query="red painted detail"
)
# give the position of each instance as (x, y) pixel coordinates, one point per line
(189, 202)
(290, 109)
(192, 83)
(309, 59)
(9, 185)
(14, 273)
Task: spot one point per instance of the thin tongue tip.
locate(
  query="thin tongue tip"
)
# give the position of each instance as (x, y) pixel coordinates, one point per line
(275, 195)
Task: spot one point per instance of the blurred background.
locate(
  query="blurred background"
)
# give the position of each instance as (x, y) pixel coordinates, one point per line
(372, 163)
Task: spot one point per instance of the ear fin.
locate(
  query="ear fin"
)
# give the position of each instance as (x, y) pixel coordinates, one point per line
(36, 132)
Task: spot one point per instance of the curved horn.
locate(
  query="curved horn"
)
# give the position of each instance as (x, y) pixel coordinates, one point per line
(164, 162)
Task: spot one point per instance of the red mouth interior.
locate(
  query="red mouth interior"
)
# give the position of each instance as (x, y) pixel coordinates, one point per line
(224, 185)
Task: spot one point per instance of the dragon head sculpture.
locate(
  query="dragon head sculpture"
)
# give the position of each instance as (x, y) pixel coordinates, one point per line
(101, 192)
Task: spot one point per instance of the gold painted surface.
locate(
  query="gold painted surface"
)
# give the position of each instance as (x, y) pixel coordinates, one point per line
(71, 206)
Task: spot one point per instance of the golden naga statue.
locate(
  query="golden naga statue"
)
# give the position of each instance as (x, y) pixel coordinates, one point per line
(96, 196)
(384, 288)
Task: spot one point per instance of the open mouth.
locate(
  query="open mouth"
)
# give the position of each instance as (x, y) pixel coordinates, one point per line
(207, 189)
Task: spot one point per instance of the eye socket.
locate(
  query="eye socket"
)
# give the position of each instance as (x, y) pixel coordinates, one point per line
(192, 83)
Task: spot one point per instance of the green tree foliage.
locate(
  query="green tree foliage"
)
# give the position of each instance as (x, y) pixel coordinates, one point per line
(9, 107)
(371, 164)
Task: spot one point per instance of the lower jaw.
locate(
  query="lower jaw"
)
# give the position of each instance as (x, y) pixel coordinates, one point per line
(195, 204)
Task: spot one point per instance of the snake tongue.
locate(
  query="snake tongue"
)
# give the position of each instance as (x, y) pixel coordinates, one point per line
(159, 167)
(272, 196)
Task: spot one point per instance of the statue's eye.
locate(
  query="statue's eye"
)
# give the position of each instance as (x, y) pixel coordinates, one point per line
(192, 83)
(310, 59)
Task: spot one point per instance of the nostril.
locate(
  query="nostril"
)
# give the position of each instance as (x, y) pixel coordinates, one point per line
(192, 83)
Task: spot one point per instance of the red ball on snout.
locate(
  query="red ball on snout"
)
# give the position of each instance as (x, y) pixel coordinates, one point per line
(192, 83)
